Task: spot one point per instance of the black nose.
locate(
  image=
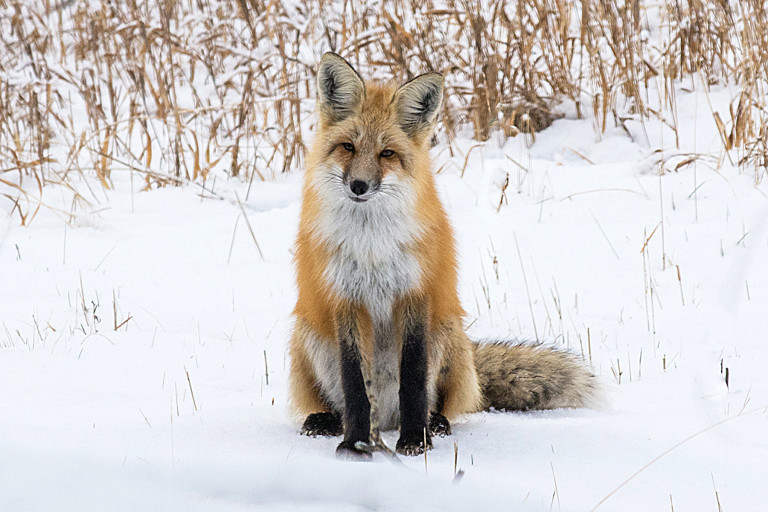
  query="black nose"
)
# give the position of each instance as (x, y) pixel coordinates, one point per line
(358, 187)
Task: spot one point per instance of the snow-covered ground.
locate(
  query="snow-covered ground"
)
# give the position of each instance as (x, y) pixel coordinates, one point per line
(661, 282)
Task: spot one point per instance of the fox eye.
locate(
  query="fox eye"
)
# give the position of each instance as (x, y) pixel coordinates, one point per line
(348, 146)
(387, 153)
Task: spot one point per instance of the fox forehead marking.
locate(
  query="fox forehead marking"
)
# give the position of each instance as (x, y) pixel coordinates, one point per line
(356, 135)
(371, 261)
(384, 139)
(373, 134)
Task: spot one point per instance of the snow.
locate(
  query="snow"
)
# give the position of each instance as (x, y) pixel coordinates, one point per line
(184, 405)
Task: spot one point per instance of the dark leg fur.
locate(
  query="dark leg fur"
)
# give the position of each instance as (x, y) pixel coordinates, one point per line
(322, 424)
(413, 382)
(357, 410)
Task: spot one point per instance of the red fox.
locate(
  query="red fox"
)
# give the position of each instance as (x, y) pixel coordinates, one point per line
(377, 282)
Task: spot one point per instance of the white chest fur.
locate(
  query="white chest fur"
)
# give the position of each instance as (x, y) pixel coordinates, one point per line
(371, 245)
(372, 263)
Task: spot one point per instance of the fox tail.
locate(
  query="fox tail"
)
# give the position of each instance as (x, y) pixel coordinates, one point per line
(524, 376)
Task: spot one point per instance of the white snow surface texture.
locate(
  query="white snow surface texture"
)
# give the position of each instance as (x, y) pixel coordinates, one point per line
(660, 282)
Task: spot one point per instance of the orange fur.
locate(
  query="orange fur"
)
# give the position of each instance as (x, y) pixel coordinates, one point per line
(450, 355)
(375, 265)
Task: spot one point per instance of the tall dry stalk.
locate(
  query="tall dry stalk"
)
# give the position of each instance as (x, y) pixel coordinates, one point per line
(177, 89)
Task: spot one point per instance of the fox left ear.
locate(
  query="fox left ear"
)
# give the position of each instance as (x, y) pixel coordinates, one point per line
(418, 102)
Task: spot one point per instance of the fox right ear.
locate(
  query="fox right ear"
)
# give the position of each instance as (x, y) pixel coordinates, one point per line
(340, 90)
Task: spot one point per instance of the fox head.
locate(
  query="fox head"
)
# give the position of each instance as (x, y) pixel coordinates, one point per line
(372, 137)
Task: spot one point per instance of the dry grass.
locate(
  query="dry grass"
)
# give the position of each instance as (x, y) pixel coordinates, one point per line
(171, 91)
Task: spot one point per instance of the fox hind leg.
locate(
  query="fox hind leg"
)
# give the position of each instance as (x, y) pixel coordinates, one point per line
(322, 424)
(305, 387)
(439, 425)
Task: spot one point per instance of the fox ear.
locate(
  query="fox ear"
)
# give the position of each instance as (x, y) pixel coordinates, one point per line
(418, 102)
(340, 90)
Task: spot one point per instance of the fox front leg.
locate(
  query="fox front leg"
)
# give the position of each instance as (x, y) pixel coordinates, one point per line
(357, 409)
(414, 434)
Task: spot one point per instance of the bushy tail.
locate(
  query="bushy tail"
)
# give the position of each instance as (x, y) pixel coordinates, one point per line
(530, 376)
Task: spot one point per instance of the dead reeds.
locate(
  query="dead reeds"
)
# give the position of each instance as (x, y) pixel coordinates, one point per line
(172, 91)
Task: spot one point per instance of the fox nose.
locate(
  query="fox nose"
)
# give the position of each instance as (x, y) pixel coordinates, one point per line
(358, 187)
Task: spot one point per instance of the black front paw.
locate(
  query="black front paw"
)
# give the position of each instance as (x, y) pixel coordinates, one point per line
(355, 451)
(439, 425)
(322, 424)
(412, 444)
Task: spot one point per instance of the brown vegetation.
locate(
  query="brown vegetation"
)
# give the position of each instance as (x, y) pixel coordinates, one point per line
(172, 90)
